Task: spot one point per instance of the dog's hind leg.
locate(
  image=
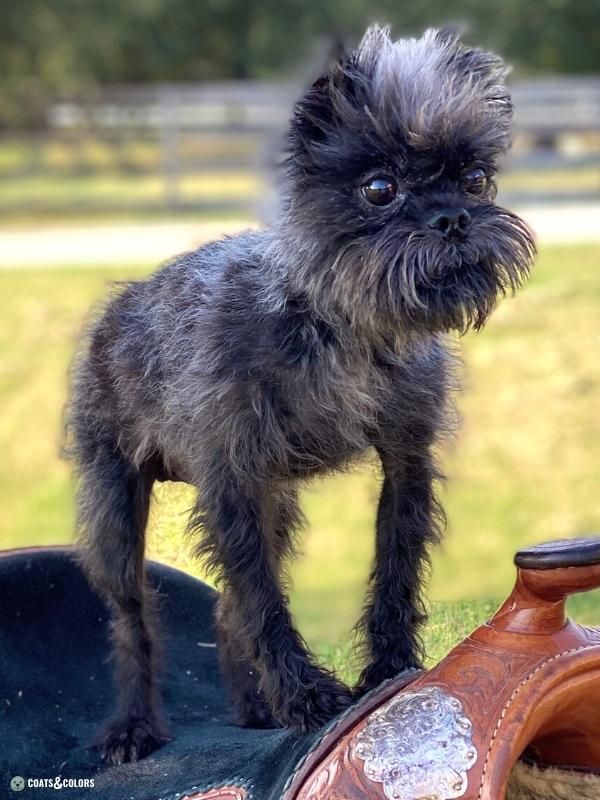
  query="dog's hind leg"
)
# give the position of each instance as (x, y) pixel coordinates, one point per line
(113, 505)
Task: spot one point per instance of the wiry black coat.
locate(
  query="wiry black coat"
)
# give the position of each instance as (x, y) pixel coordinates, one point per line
(266, 358)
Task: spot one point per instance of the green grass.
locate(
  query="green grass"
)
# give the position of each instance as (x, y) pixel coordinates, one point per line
(448, 624)
(565, 179)
(40, 192)
(57, 196)
(58, 177)
(523, 469)
(64, 178)
(68, 154)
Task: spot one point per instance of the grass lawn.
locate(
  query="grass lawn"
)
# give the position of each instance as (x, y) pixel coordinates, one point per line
(26, 194)
(54, 194)
(60, 178)
(523, 469)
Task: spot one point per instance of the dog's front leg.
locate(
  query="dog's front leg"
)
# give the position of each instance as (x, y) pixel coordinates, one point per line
(408, 520)
(255, 618)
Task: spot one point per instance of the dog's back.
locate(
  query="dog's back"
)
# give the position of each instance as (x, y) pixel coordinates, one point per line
(126, 377)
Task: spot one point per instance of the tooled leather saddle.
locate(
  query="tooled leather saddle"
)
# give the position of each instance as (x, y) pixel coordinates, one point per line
(511, 712)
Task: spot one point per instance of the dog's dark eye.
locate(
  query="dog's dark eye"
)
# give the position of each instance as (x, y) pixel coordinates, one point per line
(380, 191)
(475, 181)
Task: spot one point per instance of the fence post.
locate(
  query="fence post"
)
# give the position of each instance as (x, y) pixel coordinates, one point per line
(169, 151)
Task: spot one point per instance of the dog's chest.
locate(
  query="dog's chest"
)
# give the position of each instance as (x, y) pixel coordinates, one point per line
(331, 411)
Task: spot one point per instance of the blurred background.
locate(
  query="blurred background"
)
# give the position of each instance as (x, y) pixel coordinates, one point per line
(133, 130)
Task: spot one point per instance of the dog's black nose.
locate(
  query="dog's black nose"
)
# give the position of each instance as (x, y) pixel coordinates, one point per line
(450, 221)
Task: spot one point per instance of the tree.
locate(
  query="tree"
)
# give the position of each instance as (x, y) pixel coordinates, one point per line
(70, 46)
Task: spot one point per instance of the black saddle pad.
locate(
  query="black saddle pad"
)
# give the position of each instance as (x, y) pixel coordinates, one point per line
(56, 688)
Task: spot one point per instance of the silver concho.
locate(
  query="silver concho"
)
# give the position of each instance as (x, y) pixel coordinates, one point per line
(419, 746)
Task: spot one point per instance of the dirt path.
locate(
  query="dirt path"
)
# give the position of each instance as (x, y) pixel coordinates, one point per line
(153, 242)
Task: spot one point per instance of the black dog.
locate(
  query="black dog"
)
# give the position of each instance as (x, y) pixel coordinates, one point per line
(267, 358)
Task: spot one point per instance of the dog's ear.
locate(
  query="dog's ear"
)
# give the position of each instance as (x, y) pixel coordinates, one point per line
(315, 114)
(336, 54)
(339, 91)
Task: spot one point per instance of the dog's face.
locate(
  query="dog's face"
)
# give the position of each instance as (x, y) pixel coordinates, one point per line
(390, 194)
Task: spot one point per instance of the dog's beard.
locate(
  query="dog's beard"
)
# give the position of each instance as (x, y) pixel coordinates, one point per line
(412, 277)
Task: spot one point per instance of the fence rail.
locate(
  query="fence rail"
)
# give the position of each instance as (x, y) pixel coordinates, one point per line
(557, 105)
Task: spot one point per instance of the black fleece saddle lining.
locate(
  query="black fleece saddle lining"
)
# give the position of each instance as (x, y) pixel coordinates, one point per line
(56, 688)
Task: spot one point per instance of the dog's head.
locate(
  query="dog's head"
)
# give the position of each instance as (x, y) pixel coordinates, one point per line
(389, 205)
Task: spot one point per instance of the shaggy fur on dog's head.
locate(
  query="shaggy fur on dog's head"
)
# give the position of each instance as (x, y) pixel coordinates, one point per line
(424, 113)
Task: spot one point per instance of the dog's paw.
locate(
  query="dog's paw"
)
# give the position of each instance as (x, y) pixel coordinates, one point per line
(314, 704)
(129, 740)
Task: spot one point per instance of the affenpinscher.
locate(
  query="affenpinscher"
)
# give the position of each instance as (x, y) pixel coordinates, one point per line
(259, 361)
